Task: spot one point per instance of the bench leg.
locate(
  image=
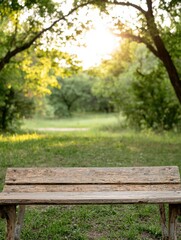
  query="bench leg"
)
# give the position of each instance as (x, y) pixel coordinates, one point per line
(9, 212)
(174, 211)
(19, 223)
(163, 222)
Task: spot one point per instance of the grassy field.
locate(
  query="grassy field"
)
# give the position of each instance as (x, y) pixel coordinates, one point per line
(108, 148)
(77, 121)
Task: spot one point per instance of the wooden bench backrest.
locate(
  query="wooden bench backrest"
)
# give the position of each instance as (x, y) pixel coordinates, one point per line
(92, 179)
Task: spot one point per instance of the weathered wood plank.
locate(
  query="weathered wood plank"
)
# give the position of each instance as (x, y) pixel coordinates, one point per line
(91, 197)
(163, 222)
(91, 187)
(173, 214)
(19, 223)
(11, 221)
(28, 186)
(133, 175)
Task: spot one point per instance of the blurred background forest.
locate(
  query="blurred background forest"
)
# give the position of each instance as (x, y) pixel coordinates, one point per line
(41, 77)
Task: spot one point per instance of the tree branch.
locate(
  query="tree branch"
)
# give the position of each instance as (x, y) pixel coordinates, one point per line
(140, 40)
(150, 8)
(128, 4)
(6, 59)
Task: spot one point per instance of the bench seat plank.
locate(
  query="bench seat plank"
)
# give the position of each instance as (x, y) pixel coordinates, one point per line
(127, 185)
(127, 197)
(139, 175)
(90, 187)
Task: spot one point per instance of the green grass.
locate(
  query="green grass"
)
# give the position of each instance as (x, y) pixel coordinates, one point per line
(89, 149)
(76, 121)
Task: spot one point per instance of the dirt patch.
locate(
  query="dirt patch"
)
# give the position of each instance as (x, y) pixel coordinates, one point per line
(61, 129)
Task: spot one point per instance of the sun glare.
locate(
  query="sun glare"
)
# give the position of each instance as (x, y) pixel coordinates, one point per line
(100, 43)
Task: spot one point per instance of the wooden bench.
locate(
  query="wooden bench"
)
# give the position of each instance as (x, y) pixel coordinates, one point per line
(131, 185)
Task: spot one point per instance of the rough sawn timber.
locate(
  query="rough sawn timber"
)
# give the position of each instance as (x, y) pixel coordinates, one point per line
(126, 185)
(66, 198)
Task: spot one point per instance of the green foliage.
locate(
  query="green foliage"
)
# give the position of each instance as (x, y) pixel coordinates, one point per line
(19, 5)
(137, 85)
(14, 106)
(39, 69)
(152, 103)
(114, 77)
(28, 23)
(64, 99)
(75, 94)
(32, 79)
(21, 84)
(172, 40)
(29, 64)
(146, 24)
(14, 102)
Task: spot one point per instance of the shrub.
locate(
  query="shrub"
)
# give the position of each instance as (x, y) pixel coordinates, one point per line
(14, 106)
(152, 103)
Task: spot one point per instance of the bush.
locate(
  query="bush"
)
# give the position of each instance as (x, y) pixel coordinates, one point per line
(152, 103)
(75, 95)
(14, 106)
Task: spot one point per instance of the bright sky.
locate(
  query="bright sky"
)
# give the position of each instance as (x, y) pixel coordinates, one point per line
(95, 44)
(99, 41)
(99, 44)
(92, 46)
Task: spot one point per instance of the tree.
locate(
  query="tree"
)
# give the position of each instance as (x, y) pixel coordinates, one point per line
(14, 102)
(28, 62)
(114, 76)
(138, 87)
(75, 95)
(24, 23)
(150, 31)
(153, 103)
(23, 85)
(18, 35)
(64, 99)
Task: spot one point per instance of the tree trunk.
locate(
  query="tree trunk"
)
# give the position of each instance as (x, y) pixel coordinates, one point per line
(162, 52)
(169, 65)
(3, 119)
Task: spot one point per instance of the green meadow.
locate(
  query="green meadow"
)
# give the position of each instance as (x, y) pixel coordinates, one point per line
(106, 143)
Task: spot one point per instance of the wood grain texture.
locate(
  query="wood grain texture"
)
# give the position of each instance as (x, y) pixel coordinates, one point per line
(163, 221)
(139, 175)
(19, 222)
(91, 197)
(173, 213)
(127, 185)
(91, 187)
(11, 222)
